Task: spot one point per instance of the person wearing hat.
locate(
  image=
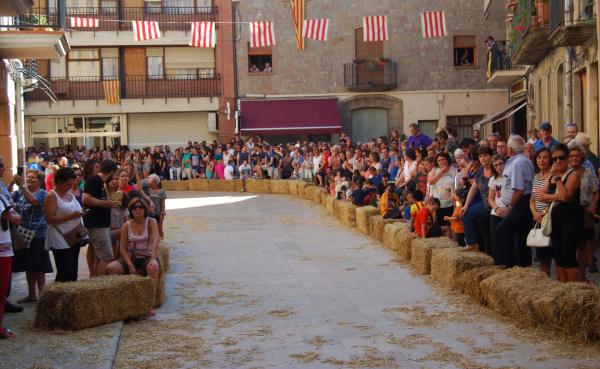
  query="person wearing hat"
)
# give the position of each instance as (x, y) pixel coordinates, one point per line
(546, 140)
(586, 141)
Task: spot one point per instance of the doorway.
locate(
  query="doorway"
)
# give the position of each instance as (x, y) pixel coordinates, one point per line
(369, 123)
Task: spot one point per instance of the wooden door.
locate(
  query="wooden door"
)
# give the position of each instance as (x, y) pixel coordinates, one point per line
(135, 72)
(370, 72)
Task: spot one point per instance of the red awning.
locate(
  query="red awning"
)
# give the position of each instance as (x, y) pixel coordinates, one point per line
(284, 117)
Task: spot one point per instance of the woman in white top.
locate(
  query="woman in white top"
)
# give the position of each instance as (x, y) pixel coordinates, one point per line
(409, 169)
(63, 214)
(440, 182)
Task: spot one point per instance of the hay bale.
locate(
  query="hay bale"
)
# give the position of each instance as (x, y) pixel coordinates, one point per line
(378, 225)
(421, 248)
(293, 186)
(93, 302)
(390, 232)
(223, 185)
(403, 243)
(310, 192)
(279, 186)
(363, 218)
(199, 185)
(164, 257)
(175, 185)
(345, 211)
(468, 282)
(331, 205)
(302, 187)
(324, 198)
(531, 298)
(447, 265)
(258, 185)
(317, 195)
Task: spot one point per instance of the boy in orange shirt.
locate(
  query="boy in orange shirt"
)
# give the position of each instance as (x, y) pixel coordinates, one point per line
(456, 226)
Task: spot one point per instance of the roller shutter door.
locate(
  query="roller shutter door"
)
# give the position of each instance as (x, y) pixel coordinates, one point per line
(173, 129)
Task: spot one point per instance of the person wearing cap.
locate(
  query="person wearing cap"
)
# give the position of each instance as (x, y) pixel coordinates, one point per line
(546, 140)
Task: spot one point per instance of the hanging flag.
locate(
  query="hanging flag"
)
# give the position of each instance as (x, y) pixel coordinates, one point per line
(203, 34)
(77, 22)
(298, 15)
(375, 28)
(111, 91)
(262, 34)
(433, 24)
(145, 30)
(315, 29)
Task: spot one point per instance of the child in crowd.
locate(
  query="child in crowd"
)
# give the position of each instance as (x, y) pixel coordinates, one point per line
(456, 226)
(340, 185)
(245, 172)
(425, 224)
(390, 203)
(417, 205)
(307, 168)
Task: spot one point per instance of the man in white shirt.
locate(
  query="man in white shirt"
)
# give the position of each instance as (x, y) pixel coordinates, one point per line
(229, 172)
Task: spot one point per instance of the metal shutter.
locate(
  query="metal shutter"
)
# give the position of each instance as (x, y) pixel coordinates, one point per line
(173, 129)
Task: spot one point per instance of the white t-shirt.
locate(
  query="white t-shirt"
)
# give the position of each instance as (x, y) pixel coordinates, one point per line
(496, 184)
(228, 172)
(5, 242)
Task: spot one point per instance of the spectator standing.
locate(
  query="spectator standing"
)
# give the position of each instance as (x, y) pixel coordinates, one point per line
(511, 233)
(417, 139)
(538, 208)
(97, 218)
(546, 140)
(571, 131)
(441, 181)
(157, 197)
(187, 163)
(585, 140)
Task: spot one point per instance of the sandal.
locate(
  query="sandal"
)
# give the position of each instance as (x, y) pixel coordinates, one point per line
(6, 333)
(26, 300)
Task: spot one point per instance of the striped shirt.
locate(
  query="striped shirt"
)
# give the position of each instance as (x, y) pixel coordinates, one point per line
(537, 185)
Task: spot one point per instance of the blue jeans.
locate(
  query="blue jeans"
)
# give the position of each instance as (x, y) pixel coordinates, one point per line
(477, 226)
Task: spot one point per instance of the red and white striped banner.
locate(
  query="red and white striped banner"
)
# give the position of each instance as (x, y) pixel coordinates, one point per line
(433, 24)
(375, 28)
(262, 34)
(316, 29)
(77, 22)
(203, 34)
(145, 30)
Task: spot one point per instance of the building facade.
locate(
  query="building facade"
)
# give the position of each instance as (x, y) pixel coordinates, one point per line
(553, 53)
(112, 89)
(376, 87)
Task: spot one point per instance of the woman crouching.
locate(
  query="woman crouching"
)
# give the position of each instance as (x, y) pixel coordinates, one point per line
(138, 246)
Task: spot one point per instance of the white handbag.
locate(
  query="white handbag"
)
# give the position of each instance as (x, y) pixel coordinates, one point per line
(536, 237)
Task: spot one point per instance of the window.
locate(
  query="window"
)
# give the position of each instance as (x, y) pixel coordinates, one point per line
(108, 6)
(154, 61)
(260, 59)
(428, 127)
(188, 62)
(84, 64)
(204, 6)
(463, 124)
(178, 6)
(110, 63)
(465, 51)
(153, 6)
(366, 50)
(182, 73)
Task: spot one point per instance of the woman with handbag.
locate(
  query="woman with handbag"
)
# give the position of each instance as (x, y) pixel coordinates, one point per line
(566, 214)
(538, 208)
(65, 226)
(33, 259)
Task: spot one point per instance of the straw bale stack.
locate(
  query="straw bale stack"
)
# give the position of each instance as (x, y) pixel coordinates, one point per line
(164, 257)
(293, 186)
(317, 195)
(448, 265)
(175, 185)
(93, 302)
(421, 249)
(403, 243)
(258, 185)
(199, 185)
(378, 225)
(223, 185)
(310, 192)
(280, 186)
(160, 295)
(363, 218)
(324, 199)
(468, 283)
(302, 187)
(331, 204)
(530, 297)
(345, 211)
(390, 232)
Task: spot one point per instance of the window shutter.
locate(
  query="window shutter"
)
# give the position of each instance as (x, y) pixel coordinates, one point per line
(154, 51)
(189, 57)
(461, 42)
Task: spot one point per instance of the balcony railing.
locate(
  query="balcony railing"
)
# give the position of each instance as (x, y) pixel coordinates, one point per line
(574, 25)
(530, 31)
(171, 18)
(132, 87)
(33, 18)
(557, 14)
(371, 75)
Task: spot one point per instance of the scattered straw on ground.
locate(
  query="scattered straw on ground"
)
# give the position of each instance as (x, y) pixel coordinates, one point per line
(410, 341)
(306, 357)
(318, 341)
(281, 313)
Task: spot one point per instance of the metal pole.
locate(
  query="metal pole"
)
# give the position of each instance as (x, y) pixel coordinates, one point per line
(62, 13)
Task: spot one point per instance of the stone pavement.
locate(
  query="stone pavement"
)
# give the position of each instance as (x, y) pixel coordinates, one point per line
(268, 281)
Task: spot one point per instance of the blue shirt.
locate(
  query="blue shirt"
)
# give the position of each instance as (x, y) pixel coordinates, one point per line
(418, 141)
(539, 144)
(518, 175)
(32, 217)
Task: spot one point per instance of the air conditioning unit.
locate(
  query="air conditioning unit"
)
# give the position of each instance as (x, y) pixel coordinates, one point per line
(212, 122)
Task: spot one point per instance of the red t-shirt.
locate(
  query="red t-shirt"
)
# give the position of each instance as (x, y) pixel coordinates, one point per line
(423, 217)
(49, 182)
(127, 189)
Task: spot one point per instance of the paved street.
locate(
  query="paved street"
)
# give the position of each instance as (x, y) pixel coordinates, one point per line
(273, 282)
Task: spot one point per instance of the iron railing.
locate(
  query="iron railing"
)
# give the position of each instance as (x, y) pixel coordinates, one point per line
(131, 87)
(499, 60)
(562, 16)
(118, 18)
(33, 18)
(371, 75)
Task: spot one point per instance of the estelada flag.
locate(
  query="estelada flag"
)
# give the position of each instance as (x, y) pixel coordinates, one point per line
(433, 24)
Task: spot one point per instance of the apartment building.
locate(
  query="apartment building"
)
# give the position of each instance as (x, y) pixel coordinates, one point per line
(22, 40)
(367, 89)
(112, 89)
(551, 63)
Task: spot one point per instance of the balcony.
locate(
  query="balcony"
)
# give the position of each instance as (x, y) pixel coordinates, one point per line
(368, 75)
(501, 69)
(573, 26)
(31, 36)
(132, 87)
(171, 18)
(14, 7)
(530, 31)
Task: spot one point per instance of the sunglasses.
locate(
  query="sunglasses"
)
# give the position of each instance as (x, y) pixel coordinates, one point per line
(560, 158)
(138, 207)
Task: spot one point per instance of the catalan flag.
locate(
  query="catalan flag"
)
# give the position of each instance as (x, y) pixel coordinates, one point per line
(111, 91)
(433, 24)
(298, 15)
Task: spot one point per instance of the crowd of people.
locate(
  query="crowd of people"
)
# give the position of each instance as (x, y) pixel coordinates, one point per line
(488, 193)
